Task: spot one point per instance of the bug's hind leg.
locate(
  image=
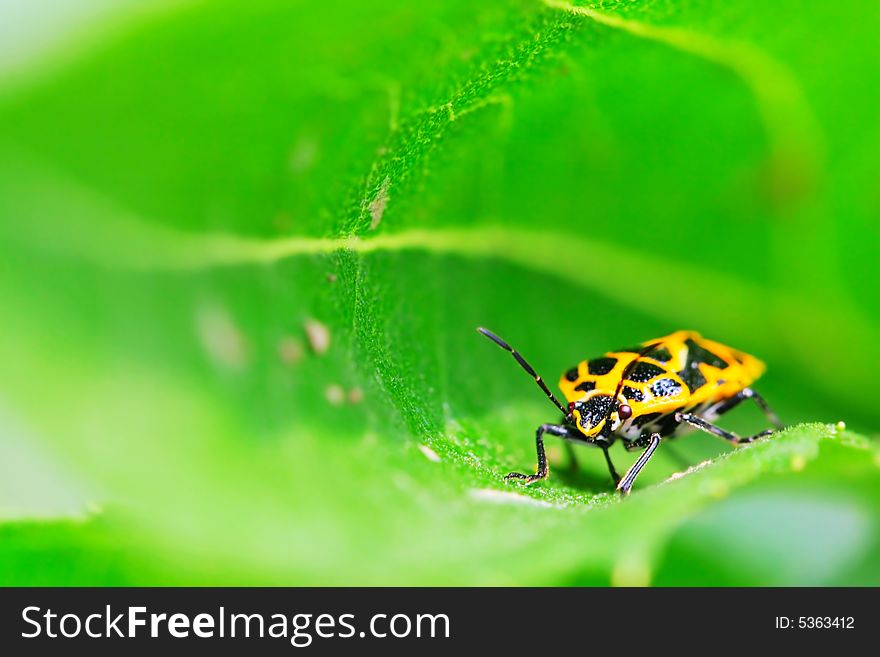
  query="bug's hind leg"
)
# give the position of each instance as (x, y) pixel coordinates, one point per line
(764, 406)
(748, 393)
(708, 427)
(626, 484)
(543, 470)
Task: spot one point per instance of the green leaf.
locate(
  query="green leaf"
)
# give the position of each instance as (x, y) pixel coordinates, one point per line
(245, 248)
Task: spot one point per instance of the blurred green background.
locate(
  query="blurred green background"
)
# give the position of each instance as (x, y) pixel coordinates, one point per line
(244, 246)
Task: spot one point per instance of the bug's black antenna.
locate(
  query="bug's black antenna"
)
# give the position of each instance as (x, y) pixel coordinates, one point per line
(525, 365)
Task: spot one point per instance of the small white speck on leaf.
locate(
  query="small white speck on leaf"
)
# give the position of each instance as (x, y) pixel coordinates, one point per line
(220, 336)
(334, 394)
(841, 426)
(318, 336)
(506, 497)
(290, 350)
(690, 470)
(379, 203)
(429, 453)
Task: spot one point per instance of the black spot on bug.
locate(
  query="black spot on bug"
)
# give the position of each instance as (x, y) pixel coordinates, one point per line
(697, 354)
(665, 388)
(599, 366)
(633, 393)
(572, 374)
(586, 386)
(693, 377)
(593, 410)
(661, 354)
(645, 372)
(648, 418)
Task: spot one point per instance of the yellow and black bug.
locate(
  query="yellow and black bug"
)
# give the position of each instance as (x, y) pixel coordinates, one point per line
(659, 389)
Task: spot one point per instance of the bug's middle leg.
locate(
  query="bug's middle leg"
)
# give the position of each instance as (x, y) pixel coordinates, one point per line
(708, 427)
(611, 468)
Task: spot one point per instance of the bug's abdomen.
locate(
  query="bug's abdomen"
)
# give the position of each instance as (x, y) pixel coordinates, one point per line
(711, 371)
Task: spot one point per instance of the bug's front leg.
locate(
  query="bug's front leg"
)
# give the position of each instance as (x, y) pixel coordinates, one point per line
(708, 427)
(626, 484)
(542, 471)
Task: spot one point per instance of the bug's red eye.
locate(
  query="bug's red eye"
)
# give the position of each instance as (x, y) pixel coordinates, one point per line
(570, 406)
(625, 412)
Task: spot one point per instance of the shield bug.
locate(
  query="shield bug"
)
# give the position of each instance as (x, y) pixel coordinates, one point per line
(660, 389)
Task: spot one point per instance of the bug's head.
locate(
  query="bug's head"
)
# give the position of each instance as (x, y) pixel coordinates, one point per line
(590, 414)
